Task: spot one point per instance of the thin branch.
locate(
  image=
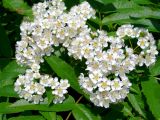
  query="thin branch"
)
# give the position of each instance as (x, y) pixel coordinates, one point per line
(130, 43)
(135, 48)
(100, 25)
(68, 116)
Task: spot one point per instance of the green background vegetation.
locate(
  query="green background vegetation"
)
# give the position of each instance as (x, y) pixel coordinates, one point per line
(143, 101)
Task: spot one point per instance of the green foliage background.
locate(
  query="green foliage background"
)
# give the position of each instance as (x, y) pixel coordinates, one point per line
(143, 101)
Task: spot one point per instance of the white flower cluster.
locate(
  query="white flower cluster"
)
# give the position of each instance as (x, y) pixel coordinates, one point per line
(108, 58)
(146, 43)
(32, 87)
(52, 26)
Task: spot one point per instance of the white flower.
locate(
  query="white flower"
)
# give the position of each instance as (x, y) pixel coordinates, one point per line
(152, 50)
(125, 81)
(93, 66)
(143, 43)
(28, 53)
(125, 30)
(17, 88)
(35, 67)
(36, 75)
(116, 84)
(21, 80)
(21, 45)
(87, 84)
(95, 77)
(64, 84)
(123, 93)
(104, 85)
(37, 99)
(149, 59)
(61, 88)
(58, 99)
(54, 83)
(39, 89)
(30, 88)
(59, 91)
(26, 95)
(114, 96)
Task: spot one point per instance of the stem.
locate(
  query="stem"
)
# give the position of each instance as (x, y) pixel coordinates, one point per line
(80, 98)
(135, 48)
(8, 58)
(100, 24)
(130, 43)
(67, 118)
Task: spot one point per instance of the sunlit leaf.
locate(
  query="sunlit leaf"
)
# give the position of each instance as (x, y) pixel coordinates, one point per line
(151, 89)
(135, 103)
(27, 118)
(105, 1)
(59, 117)
(18, 6)
(50, 96)
(49, 115)
(10, 72)
(23, 105)
(64, 70)
(155, 68)
(8, 91)
(81, 111)
(127, 110)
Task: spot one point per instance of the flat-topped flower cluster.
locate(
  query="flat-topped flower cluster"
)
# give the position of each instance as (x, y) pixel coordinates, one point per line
(108, 58)
(52, 26)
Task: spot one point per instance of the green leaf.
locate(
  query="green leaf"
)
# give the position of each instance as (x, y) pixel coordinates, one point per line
(105, 1)
(23, 105)
(138, 96)
(4, 62)
(59, 117)
(8, 91)
(135, 12)
(18, 6)
(64, 70)
(96, 20)
(123, 4)
(49, 115)
(10, 72)
(5, 46)
(113, 114)
(135, 103)
(80, 111)
(142, 1)
(50, 96)
(33, 117)
(155, 68)
(149, 24)
(136, 15)
(158, 45)
(133, 90)
(1, 117)
(117, 5)
(151, 89)
(135, 118)
(127, 110)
